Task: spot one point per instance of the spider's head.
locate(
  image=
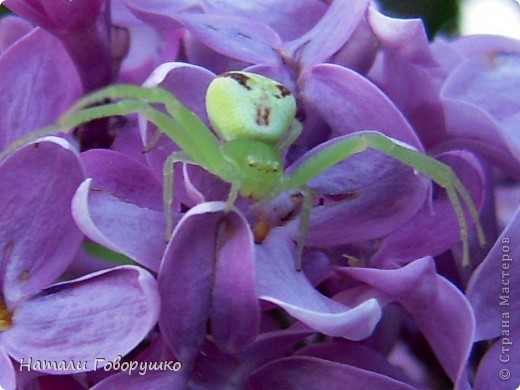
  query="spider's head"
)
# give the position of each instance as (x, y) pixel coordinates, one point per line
(257, 165)
(244, 105)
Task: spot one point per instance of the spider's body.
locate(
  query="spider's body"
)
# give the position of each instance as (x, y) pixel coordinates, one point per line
(251, 114)
(256, 167)
(254, 118)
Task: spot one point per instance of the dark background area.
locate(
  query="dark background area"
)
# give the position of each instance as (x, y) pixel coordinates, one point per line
(440, 16)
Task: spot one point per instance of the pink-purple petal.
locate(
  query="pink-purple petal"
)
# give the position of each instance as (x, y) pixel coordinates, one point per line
(38, 236)
(235, 318)
(500, 367)
(278, 282)
(329, 34)
(440, 310)
(491, 287)
(156, 380)
(189, 84)
(313, 373)
(32, 10)
(349, 102)
(73, 15)
(101, 315)
(406, 37)
(190, 285)
(242, 38)
(481, 102)
(7, 372)
(12, 28)
(291, 19)
(110, 171)
(38, 95)
(124, 227)
(356, 355)
(433, 229)
(369, 195)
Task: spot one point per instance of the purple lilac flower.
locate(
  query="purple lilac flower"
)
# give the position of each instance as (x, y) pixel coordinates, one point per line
(381, 301)
(100, 315)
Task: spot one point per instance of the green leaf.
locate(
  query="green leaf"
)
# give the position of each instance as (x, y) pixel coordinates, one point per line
(105, 254)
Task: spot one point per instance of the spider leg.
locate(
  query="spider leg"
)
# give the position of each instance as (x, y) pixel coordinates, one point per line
(178, 123)
(153, 142)
(232, 197)
(292, 135)
(304, 224)
(440, 173)
(168, 186)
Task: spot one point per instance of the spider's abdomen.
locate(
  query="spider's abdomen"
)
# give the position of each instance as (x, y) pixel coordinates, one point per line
(258, 166)
(244, 105)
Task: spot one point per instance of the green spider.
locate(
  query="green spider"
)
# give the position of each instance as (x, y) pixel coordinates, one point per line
(254, 118)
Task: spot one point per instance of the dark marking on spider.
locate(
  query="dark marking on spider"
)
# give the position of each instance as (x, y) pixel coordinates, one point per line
(284, 91)
(240, 78)
(263, 115)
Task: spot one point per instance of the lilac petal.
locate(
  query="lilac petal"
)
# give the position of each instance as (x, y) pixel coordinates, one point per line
(368, 195)
(157, 380)
(197, 52)
(313, 373)
(101, 315)
(124, 227)
(278, 282)
(440, 310)
(82, 28)
(485, 45)
(356, 355)
(292, 17)
(360, 51)
(36, 96)
(349, 102)
(329, 34)
(57, 17)
(12, 29)
(148, 49)
(122, 212)
(7, 372)
(234, 295)
(31, 10)
(406, 37)
(477, 131)
(491, 285)
(73, 15)
(500, 367)
(38, 237)
(189, 84)
(497, 77)
(414, 89)
(484, 93)
(110, 170)
(186, 81)
(58, 382)
(196, 278)
(435, 229)
(242, 38)
(161, 13)
(220, 370)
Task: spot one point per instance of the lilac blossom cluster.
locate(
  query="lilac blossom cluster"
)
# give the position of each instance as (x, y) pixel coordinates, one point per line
(382, 301)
